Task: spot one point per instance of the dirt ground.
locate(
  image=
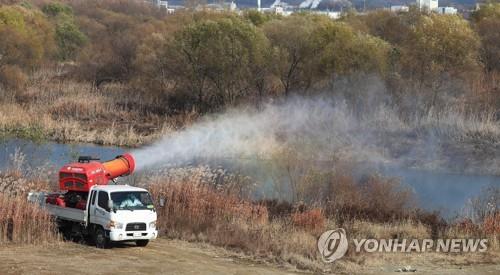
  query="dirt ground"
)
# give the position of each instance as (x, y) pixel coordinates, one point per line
(176, 257)
(159, 257)
(436, 264)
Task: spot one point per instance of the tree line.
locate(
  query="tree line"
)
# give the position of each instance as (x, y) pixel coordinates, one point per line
(209, 60)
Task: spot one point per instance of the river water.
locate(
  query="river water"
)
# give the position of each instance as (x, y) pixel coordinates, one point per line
(445, 192)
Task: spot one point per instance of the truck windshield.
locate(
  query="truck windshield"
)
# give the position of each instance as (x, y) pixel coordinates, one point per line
(131, 200)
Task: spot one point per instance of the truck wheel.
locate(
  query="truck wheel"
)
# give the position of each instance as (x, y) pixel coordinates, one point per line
(89, 239)
(142, 243)
(100, 238)
(66, 233)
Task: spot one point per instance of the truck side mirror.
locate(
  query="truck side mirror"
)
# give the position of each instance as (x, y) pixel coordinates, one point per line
(162, 202)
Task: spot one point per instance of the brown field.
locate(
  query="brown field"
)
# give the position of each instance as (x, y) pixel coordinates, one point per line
(165, 256)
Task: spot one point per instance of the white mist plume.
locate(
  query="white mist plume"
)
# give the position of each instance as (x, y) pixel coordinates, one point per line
(305, 4)
(315, 4)
(316, 128)
(311, 4)
(357, 121)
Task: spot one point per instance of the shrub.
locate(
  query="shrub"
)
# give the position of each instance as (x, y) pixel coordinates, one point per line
(54, 9)
(12, 78)
(27, 37)
(311, 220)
(69, 38)
(277, 209)
(67, 34)
(491, 224)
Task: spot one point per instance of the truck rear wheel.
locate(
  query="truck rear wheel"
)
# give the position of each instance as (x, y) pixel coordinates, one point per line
(66, 233)
(100, 239)
(142, 243)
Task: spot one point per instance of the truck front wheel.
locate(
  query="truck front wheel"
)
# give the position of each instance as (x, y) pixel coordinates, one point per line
(142, 243)
(100, 239)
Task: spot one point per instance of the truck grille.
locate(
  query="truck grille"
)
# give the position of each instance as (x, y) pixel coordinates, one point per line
(137, 226)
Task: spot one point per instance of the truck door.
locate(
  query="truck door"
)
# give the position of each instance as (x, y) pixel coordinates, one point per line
(101, 211)
(92, 204)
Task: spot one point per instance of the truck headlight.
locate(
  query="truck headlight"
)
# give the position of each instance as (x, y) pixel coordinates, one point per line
(115, 225)
(152, 225)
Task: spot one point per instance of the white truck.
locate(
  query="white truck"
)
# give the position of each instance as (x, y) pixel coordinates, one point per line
(113, 213)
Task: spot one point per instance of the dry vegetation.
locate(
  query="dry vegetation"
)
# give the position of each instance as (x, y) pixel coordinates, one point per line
(211, 206)
(71, 111)
(197, 208)
(24, 223)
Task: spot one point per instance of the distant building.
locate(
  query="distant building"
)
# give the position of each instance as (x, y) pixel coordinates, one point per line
(428, 5)
(173, 8)
(278, 9)
(224, 6)
(331, 14)
(446, 10)
(161, 3)
(281, 8)
(399, 8)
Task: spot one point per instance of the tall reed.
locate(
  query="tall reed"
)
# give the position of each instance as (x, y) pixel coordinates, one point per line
(24, 223)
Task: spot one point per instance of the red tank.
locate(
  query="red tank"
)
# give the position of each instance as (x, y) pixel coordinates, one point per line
(82, 175)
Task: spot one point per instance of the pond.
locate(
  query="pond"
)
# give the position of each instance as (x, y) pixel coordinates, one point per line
(51, 153)
(441, 191)
(445, 192)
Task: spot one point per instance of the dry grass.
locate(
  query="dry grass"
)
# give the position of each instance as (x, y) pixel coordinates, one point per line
(70, 111)
(198, 208)
(396, 230)
(24, 223)
(202, 207)
(489, 229)
(197, 211)
(19, 179)
(14, 184)
(192, 209)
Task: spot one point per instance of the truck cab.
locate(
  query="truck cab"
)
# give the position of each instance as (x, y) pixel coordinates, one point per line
(121, 213)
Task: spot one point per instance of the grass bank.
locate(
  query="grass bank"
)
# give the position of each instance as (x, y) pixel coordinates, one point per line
(69, 111)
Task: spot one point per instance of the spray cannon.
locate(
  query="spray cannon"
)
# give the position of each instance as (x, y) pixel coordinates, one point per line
(122, 165)
(88, 171)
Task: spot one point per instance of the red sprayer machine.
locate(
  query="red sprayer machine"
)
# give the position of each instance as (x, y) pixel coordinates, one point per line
(85, 173)
(89, 207)
(77, 178)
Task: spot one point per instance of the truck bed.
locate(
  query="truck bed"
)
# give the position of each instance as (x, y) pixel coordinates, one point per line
(66, 213)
